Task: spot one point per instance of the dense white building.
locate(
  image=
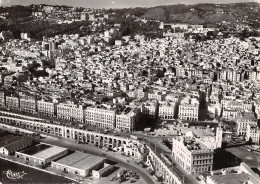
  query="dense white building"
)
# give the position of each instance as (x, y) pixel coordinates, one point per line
(2, 99)
(167, 110)
(189, 109)
(27, 103)
(150, 109)
(46, 108)
(196, 154)
(70, 112)
(192, 155)
(100, 117)
(12, 102)
(126, 119)
(243, 121)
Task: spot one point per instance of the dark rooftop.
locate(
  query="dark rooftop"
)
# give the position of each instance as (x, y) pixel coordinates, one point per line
(35, 149)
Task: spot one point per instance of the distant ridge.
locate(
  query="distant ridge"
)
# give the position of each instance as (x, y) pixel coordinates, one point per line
(203, 13)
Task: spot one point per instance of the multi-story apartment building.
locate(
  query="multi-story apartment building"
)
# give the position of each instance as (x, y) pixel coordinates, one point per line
(192, 155)
(156, 95)
(253, 133)
(126, 119)
(70, 112)
(27, 103)
(180, 71)
(2, 99)
(47, 108)
(100, 117)
(243, 121)
(229, 113)
(241, 105)
(150, 109)
(12, 102)
(167, 110)
(189, 109)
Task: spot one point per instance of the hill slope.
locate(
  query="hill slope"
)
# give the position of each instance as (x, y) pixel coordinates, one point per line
(205, 13)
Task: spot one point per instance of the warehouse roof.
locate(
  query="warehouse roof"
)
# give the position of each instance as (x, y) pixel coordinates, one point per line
(18, 143)
(88, 162)
(8, 140)
(80, 160)
(52, 151)
(72, 158)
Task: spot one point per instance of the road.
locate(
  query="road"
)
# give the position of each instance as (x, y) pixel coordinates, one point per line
(157, 146)
(88, 148)
(97, 151)
(154, 142)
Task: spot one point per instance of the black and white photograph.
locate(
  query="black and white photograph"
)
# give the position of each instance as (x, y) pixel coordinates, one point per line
(129, 91)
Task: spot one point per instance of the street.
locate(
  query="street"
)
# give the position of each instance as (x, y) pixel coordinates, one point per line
(88, 148)
(114, 156)
(154, 142)
(157, 146)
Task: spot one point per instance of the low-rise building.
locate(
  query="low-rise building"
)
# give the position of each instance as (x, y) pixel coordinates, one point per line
(98, 173)
(42, 154)
(10, 143)
(233, 175)
(78, 163)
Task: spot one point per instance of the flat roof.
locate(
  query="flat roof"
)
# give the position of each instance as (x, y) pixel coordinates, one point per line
(72, 158)
(231, 178)
(18, 143)
(9, 140)
(49, 152)
(80, 160)
(6, 137)
(35, 149)
(88, 162)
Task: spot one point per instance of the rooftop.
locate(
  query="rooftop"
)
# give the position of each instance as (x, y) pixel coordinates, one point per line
(6, 140)
(80, 160)
(35, 149)
(231, 178)
(49, 152)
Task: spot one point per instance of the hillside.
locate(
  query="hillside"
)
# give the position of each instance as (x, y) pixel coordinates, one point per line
(155, 13)
(206, 13)
(189, 17)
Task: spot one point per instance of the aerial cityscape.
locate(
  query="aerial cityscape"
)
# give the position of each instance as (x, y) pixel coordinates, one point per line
(141, 91)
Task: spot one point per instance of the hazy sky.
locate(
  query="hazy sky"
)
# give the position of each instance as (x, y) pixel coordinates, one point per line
(115, 3)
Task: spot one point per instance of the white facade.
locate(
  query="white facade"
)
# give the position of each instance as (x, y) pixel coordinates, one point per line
(126, 121)
(100, 117)
(12, 102)
(167, 111)
(70, 112)
(46, 108)
(192, 157)
(189, 109)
